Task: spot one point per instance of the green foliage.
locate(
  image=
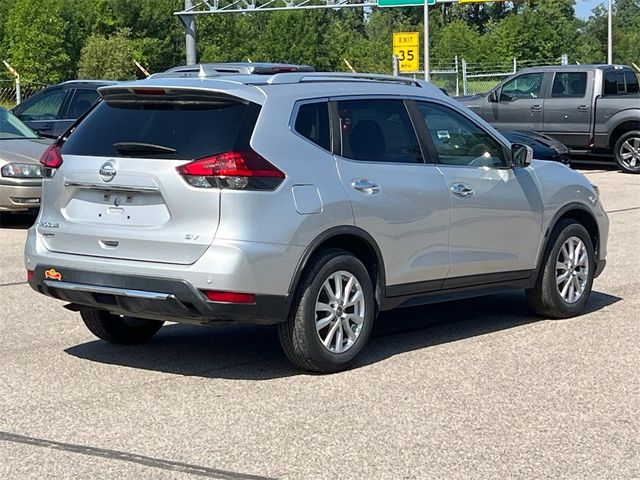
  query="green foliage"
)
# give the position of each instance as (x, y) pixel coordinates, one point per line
(34, 33)
(54, 40)
(108, 58)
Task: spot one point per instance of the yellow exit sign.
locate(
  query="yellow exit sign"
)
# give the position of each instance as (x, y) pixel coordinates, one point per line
(406, 46)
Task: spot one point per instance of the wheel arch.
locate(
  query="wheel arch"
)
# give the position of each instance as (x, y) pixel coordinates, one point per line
(621, 129)
(581, 214)
(354, 240)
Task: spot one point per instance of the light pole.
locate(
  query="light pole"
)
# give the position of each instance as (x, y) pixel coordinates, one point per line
(189, 22)
(427, 73)
(610, 34)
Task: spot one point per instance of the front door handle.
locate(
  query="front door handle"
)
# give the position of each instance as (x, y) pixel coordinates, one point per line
(583, 108)
(461, 190)
(536, 108)
(365, 185)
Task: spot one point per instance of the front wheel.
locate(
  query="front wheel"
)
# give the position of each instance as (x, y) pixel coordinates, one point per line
(332, 315)
(627, 152)
(564, 283)
(118, 329)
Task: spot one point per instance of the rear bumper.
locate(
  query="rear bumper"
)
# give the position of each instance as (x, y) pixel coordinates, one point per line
(154, 298)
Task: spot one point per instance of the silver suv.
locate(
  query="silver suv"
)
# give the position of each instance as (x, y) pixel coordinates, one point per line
(307, 200)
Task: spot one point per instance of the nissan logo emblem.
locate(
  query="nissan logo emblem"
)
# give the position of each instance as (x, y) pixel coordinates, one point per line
(107, 171)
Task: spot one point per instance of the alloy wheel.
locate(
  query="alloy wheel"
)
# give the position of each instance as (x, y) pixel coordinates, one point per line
(630, 153)
(339, 311)
(572, 270)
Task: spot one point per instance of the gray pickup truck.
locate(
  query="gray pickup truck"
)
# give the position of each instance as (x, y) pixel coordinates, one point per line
(593, 109)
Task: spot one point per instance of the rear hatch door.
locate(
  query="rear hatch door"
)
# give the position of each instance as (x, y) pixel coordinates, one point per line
(118, 193)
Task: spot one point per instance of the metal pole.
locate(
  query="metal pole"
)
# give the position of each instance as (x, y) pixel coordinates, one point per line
(610, 34)
(190, 36)
(18, 90)
(396, 65)
(427, 72)
(464, 76)
(457, 79)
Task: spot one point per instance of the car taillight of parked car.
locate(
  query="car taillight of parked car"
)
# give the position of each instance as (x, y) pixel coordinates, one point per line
(51, 160)
(235, 170)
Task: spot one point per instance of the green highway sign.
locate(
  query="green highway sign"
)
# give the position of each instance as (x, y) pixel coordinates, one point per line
(403, 3)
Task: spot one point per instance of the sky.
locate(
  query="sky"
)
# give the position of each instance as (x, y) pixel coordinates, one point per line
(584, 7)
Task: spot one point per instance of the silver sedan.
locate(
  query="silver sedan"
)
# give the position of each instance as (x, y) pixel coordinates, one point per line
(20, 170)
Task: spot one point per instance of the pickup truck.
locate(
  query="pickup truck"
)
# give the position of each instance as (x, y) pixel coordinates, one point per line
(592, 109)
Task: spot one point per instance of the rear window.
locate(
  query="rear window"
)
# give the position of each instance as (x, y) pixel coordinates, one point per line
(620, 82)
(632, 81)
(175, 130)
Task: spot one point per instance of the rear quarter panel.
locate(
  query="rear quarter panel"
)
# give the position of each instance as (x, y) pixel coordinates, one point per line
(273, 217)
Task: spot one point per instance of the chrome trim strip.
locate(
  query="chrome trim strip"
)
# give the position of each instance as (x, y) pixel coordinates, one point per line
(118, 188)
(108, 290)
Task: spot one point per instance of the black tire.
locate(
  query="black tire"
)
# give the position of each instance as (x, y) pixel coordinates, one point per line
(298, 336)
(545, 298)
(117, 329)
(619, 150)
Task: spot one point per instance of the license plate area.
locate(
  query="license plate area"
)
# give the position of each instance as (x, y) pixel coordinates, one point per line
(143, 209)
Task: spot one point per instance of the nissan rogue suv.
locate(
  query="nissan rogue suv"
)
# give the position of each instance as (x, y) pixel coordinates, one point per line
(307, 200)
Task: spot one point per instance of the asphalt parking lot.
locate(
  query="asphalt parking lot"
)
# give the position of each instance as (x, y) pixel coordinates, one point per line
(479, 388)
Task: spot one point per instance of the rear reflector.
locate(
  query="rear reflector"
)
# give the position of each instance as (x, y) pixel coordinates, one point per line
(229, 297)
(29, 275)
(52, 158)
(236, 170)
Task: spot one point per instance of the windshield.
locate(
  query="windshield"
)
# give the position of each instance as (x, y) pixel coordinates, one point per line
(11, 127)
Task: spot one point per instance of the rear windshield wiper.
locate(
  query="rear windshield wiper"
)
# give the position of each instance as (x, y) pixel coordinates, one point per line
(141, 148)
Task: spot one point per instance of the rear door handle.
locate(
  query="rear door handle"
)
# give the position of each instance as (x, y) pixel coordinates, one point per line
(461, 190)
(365, 185)
(536, 108)
(583, 108)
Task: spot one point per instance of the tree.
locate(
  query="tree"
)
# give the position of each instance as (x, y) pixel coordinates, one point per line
(108, 58)
(35, 36)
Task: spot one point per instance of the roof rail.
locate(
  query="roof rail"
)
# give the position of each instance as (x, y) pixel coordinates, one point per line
(300, 77)
(205, 70)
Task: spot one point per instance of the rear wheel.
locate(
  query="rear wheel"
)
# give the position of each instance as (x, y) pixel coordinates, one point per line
(332, 315)
(627, 152)
(564, 284)
(118, 329)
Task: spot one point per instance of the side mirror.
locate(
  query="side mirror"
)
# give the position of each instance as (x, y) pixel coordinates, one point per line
(493, 96)
(521, 155)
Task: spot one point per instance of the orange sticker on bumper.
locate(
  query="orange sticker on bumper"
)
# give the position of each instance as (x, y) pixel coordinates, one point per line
(52, 274)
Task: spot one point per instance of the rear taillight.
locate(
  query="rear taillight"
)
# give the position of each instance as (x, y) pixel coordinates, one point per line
(51, 159)
(229, 297)
(236, 170)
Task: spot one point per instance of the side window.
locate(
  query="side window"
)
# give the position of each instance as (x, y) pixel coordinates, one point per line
(82, 101)
(569, 84)
(377, 131)
(44, 107)
(312, 122)
(632, 81)
(459, 141)
(523, 86)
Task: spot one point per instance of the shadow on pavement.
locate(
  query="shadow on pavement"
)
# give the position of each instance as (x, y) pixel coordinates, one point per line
(250, 352)
(17, 221)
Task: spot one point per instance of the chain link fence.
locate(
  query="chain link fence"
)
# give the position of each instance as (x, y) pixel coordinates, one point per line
(9, 94)
(458, 77)
(480, 78)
